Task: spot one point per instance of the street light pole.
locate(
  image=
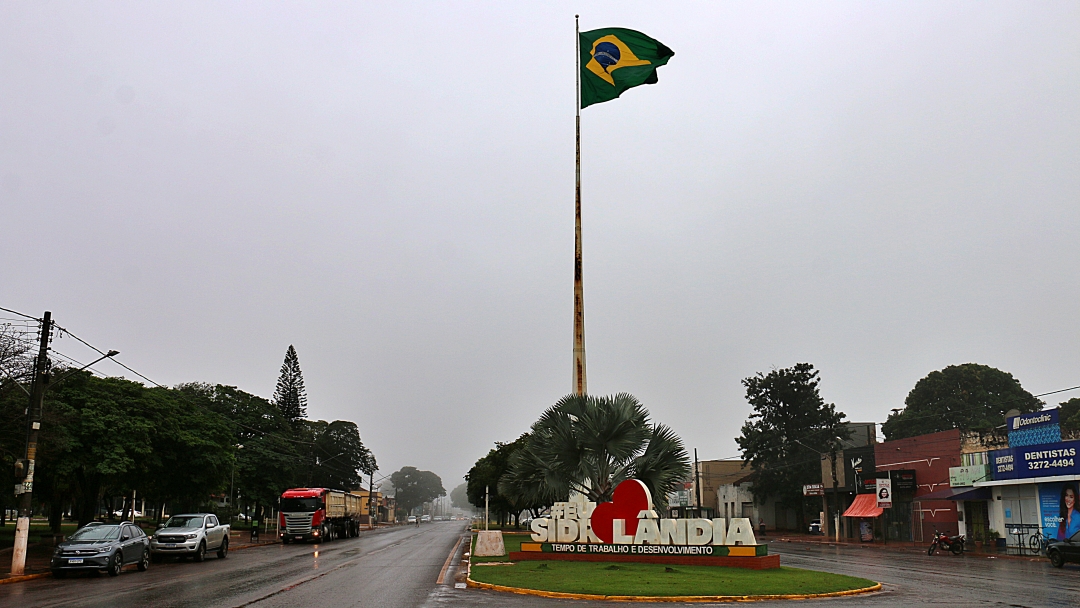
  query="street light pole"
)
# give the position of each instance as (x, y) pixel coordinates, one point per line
(26, 487)
(24, 469)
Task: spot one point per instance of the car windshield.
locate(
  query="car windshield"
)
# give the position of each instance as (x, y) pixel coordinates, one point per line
(184, 522)
(1075, 537)
(299, 504)
(97, 533)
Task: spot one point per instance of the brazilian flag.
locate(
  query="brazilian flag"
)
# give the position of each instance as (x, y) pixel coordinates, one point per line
(615, 59)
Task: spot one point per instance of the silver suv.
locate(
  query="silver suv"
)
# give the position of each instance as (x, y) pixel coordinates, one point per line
(191, 534)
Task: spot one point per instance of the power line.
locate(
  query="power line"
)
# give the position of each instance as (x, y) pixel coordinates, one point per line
(15, 312)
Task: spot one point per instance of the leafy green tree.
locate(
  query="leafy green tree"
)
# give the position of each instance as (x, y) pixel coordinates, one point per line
(1069, 415)
(591, 444)
(290, 396)
(338, 457)
(790, 427)
(484, 477)
(414, 487)
(459, 497)
(13, 402)
(263, 449)
(966, 397)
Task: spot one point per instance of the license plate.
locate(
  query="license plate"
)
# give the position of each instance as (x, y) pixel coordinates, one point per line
(170, 545)
(75, 560)
(299, 538)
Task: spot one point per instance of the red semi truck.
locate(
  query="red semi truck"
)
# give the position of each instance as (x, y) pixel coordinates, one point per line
(318, 514)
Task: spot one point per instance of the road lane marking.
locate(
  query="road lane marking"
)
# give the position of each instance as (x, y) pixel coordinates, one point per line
(446, 566)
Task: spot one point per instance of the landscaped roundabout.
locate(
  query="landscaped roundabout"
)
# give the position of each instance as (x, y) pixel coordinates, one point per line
(652, 582)
(621, 550)
(657, 582)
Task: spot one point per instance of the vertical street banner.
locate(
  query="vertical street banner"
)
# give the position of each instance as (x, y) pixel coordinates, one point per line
(884, 493)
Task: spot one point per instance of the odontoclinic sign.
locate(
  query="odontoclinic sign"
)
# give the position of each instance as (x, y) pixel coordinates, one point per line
(629, 519)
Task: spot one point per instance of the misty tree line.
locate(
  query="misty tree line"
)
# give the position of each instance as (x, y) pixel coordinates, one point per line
(105, 440)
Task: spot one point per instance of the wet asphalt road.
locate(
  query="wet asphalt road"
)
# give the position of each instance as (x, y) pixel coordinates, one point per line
(401, 568)
(386, 568)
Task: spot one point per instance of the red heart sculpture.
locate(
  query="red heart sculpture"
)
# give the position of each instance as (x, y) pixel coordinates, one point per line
(630, 498)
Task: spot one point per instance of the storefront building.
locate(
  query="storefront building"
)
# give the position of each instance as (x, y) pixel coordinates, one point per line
(1034, 483)
(919, 469)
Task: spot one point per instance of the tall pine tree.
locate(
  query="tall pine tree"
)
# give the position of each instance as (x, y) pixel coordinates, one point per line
(290, 396)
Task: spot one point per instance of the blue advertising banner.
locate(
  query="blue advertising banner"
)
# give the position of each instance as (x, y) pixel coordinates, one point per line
(1037, 428)
(1002, 464)
(1059, 508)
(1047, 460)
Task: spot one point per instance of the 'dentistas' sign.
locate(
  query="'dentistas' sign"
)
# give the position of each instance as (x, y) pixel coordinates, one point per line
(1046, 460)
(629, 519)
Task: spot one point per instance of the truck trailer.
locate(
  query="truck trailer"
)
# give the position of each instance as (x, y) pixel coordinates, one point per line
(318, 514)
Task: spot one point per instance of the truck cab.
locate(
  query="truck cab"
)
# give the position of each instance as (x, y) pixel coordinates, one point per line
(318, 514)
(303, 515)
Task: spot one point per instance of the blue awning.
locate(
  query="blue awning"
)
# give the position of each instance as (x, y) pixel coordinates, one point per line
(958, 494)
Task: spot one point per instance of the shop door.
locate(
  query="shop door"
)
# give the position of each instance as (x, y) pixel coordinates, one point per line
(977, 517)
(1021, 509)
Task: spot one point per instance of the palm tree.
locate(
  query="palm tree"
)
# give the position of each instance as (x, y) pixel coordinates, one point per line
(589, 445)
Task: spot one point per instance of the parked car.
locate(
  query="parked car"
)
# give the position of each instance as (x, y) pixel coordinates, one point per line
(191, 534)
(815, 526)
(1061, 551)
(100, 546)
(411, 519)
(425, 519)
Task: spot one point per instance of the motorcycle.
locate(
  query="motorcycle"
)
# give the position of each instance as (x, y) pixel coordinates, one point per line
(946, 543)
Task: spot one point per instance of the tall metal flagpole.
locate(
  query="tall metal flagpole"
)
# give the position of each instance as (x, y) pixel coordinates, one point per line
(579, 298)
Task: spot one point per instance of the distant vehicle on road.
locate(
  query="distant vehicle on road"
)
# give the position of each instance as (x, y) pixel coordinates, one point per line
(411, 519)
(191, 534)
(319, 514)
(1061, 551)
(98, 546)
(425, 518)
(815, 526)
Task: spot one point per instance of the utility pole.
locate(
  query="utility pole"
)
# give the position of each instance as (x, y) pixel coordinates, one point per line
(836, 497)
(486, 490)
(26, 471)
(371, 502)
(697, 482)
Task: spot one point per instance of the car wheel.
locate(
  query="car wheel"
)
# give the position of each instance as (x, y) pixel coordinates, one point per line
(223, 550)
(200, 553)
(1057, 560)
(115, 564)
(144, 563)
(933, 547)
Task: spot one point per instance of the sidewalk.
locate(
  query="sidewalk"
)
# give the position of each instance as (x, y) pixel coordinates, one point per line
(899, 546)
(38, 557)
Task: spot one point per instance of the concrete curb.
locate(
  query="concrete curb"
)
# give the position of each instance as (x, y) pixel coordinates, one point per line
(25, 577)
(670, 598)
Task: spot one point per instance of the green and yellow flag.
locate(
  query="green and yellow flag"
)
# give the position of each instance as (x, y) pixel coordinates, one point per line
(615, 59)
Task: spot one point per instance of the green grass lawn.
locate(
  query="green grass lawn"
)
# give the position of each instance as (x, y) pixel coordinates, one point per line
(512, 542)
(600, 578)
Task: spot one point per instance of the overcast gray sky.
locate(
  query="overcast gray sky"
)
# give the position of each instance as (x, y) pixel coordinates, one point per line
(880, 189)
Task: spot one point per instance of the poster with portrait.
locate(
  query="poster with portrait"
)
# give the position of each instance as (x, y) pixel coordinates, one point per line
(1059, 504)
